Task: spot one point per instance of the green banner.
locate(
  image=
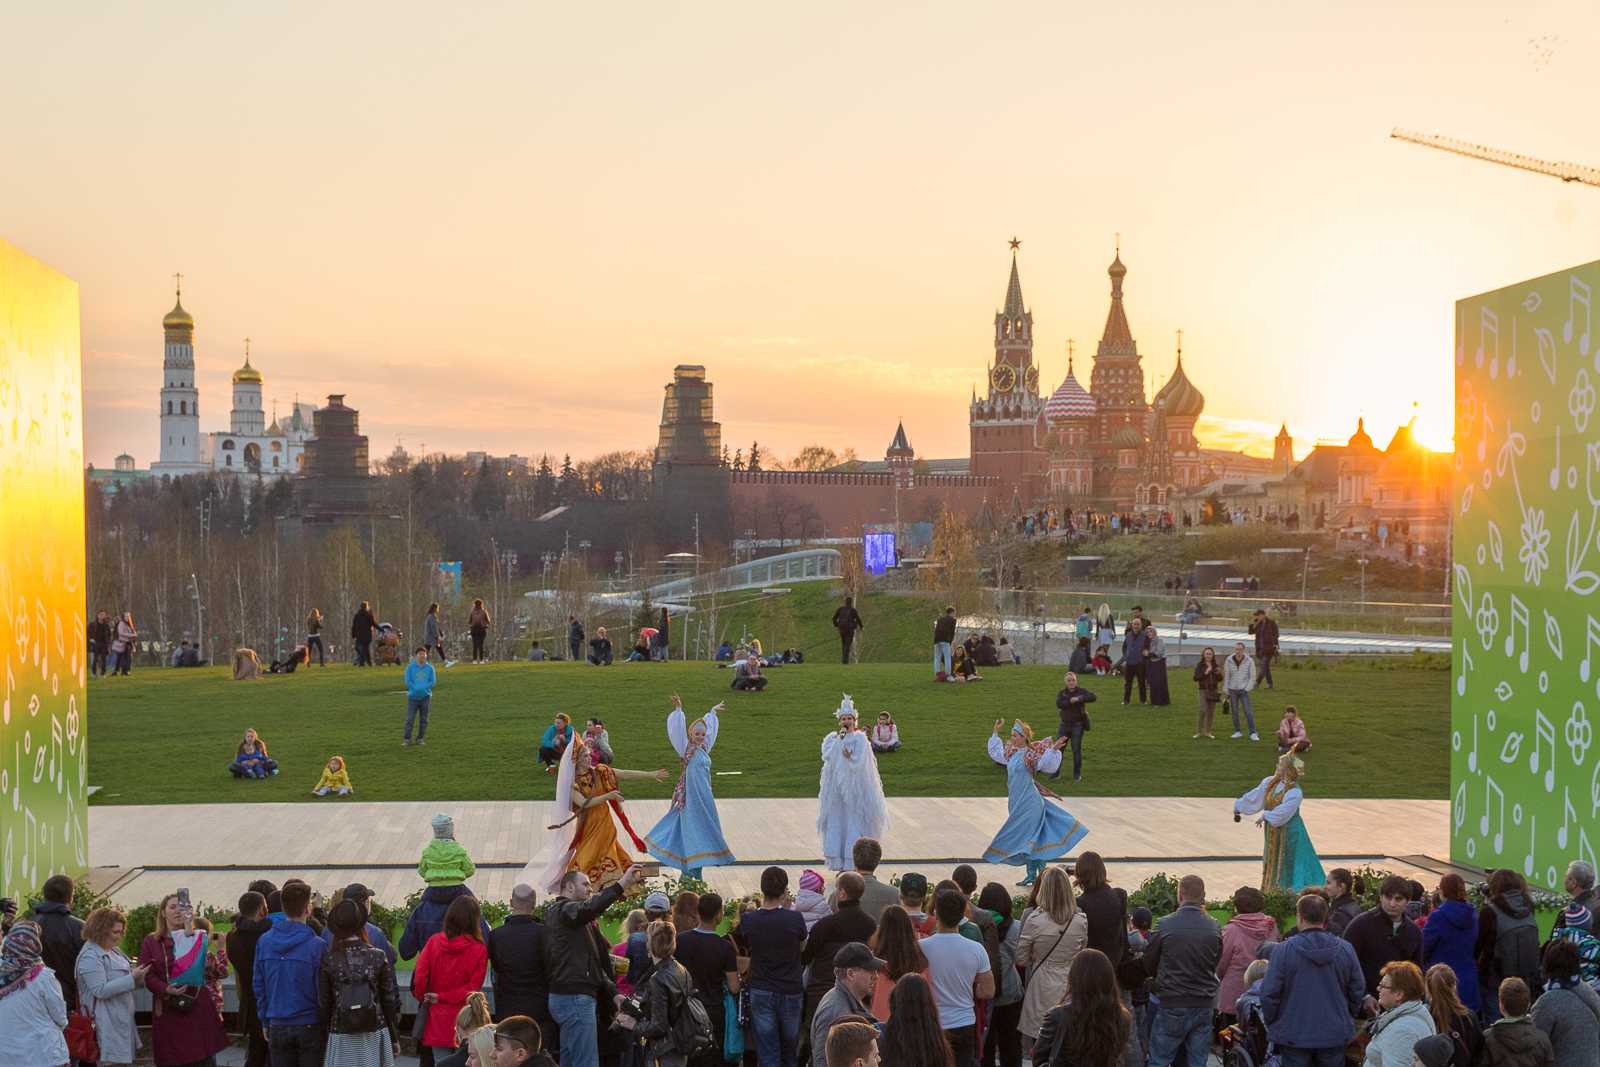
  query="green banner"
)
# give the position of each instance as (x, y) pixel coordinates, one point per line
(1524, 773)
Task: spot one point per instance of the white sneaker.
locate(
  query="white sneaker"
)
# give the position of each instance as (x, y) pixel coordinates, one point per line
(1236, 733)
(449, 663)
(1254, 737)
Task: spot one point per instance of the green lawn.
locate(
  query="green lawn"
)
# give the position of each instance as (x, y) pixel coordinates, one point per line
(166, 736)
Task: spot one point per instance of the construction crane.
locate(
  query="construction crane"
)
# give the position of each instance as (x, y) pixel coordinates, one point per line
(1567, 172)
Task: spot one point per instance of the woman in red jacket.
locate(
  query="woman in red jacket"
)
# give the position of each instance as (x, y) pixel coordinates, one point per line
(452, 965)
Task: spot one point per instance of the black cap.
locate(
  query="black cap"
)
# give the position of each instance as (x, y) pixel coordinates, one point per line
(914, 886)
(357, 891)
(855, 954)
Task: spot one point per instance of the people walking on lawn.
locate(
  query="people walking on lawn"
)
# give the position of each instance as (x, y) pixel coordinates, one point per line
(944, 635)
(335, 779)
(361, 626)
(851, 793)
(420, 678)
(1290, 860)
(314, 637)
(478, 627)
(1035, 831)
(662, 642)
(689, 836)
(1238, 678)
(1156, 666)
(98, 634)
(1266, 635)
(1074, 705)
(847, 620)
(587, 839)
(1135, 660)
(433, 635)
(575, 638)
(123, 643)
(1208, 690)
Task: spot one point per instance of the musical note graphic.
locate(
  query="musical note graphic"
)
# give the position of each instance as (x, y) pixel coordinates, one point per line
(1489, 322)
(1519, 613)
(1544, 733)
(1552, 633)
(1577, 293)
(58, 767)
(1487, 426)
(1533, 837)
(1512, 748)
(1472, 757)
(1591, 639)
(1547, 351)
(1466, 665)
(1511, 363)
(1489, 794)
(1567, 810)
(1555, 472)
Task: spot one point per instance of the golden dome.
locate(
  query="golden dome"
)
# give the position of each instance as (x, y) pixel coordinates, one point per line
(178, 318)
(247, 374)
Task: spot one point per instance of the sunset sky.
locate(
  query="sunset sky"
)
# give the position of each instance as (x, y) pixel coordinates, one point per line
(499, 226)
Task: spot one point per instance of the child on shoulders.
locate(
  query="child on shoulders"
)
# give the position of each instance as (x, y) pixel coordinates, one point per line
(445, 865)
(809, 901)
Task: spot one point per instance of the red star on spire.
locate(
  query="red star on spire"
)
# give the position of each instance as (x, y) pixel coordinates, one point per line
(1014, 244)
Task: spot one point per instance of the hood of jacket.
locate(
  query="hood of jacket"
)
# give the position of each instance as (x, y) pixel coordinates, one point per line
(287, 937)
(1259, 925)
(253, 926)
(455, 947)
(1403, 1011)
(1518, 1038)
(1457, 913)
(1319, 947)
(1514, 904)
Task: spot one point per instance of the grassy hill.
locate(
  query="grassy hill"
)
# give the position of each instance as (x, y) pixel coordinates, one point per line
(166, 736)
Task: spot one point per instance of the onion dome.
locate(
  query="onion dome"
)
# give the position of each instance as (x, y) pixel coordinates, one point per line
(1182, 399)
(247, 375)
(1127, 437)
(177, 318)
(1069, 401)
(1360, 439)
(1117, 270)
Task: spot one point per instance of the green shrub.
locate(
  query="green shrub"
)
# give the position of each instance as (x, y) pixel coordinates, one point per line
(141, 923)
(1159, 893)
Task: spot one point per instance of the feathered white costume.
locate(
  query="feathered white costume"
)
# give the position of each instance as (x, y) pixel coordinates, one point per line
(851, 797)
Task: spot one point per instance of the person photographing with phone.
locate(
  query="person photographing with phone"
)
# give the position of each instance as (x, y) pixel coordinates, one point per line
(186, 1019)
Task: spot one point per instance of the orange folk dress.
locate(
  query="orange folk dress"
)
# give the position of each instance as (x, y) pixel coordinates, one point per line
(596, 850)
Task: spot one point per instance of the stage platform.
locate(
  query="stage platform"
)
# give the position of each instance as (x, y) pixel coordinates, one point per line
(143, 852)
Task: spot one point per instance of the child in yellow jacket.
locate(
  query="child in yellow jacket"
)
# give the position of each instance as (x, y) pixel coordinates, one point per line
(334, 778)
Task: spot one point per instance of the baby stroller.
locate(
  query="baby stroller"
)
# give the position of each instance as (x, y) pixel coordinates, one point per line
(1245, 1044)
(386, 644)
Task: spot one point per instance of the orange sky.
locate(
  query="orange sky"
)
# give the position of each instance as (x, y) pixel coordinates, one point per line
(499, 226)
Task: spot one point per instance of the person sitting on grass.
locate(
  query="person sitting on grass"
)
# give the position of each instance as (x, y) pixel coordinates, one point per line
(596, 736)
(885, 735)
(600, 648)
(535, 653)
(1102, 660)
(557, 736)
(301, 655)
(725, 651)
(251, 760)
(334, 778)
(1292, 731)
(964, 669)
(747, 674)
(640, 653)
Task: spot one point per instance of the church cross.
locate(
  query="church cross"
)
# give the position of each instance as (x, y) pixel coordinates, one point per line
(179, 279)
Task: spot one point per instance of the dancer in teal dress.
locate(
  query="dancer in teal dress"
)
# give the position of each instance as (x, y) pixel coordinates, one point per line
(1035, 831)
(1289, 861)
(689, 836)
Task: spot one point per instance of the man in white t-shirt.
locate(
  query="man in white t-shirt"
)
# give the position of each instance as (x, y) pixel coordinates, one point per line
(954, 964)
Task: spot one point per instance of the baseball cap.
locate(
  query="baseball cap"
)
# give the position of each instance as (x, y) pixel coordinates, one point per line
(914, 886)
(657, 902)
(1141, 918)
(855, 954)
(357, 891)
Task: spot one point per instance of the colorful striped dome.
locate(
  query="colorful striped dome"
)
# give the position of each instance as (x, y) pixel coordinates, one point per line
(1069, 401)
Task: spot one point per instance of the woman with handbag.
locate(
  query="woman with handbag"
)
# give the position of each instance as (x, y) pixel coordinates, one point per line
(665, 997)
(451, 965)
(1208, 676)
(106, 981)
(33, 1011)
(1052, 936)
(123, 645)
(357, 996)
(186, 1023)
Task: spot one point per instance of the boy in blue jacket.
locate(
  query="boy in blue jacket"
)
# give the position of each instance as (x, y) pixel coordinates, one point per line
(419, 694)
(288, 959)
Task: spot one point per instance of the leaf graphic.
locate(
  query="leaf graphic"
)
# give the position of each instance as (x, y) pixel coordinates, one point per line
(1581, 582)
(1466, 499)
(1503, 691)
(1496, 545)
(1552, 633)
(1464, 587)
(1512, 747)
(1547, 352)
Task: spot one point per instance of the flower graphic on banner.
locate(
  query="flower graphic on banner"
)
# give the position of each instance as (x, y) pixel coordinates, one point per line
(1580, 401)
(1487, 620)
(1535, 551)
(1579, 734)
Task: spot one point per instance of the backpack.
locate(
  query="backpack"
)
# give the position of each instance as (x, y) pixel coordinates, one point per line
(1516, 946)
(357, 1010)
(691, 1025)
(1588, 952)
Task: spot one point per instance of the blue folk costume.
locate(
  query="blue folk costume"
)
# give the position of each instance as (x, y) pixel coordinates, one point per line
(689, 836)
(1035, 831)
(1290, 861)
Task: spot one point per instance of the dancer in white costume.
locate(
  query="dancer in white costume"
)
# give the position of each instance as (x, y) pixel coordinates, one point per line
(851, 797)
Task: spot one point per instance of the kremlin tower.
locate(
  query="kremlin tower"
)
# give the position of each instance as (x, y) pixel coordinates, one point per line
(1006, 424)
(180, 400)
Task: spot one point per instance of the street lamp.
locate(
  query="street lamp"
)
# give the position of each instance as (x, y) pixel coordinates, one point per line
(1363, 562)
(199, 611)
(585, 546)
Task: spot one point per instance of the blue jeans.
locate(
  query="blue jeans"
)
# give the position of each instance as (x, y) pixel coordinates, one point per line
(941, 657)
(1235, 698)
(776, 1019)
(574, 1013)
(1188, 1027)
(1312, 1057)
(414, 706)
(297, 1046)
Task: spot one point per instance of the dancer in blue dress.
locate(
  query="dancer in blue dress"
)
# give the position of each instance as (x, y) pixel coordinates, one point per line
(689, 836)
(1035, 831)
(1289, 860)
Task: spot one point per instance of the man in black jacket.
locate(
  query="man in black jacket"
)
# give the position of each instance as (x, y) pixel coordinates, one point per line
(575, 638)
(516, 952)
(944, 635)
(248, 926)
(827, 937)
(1266, 632)
(578, 961)
(1182, 957)
(361, 628)
(1074, 720)
(1384, 934)
(847, 620)
(60, 934)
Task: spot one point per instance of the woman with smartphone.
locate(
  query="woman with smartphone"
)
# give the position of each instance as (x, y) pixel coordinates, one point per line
(186, 1020)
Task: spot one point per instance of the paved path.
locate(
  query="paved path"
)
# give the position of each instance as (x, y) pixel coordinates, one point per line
(214, 849)
(1197, 635)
